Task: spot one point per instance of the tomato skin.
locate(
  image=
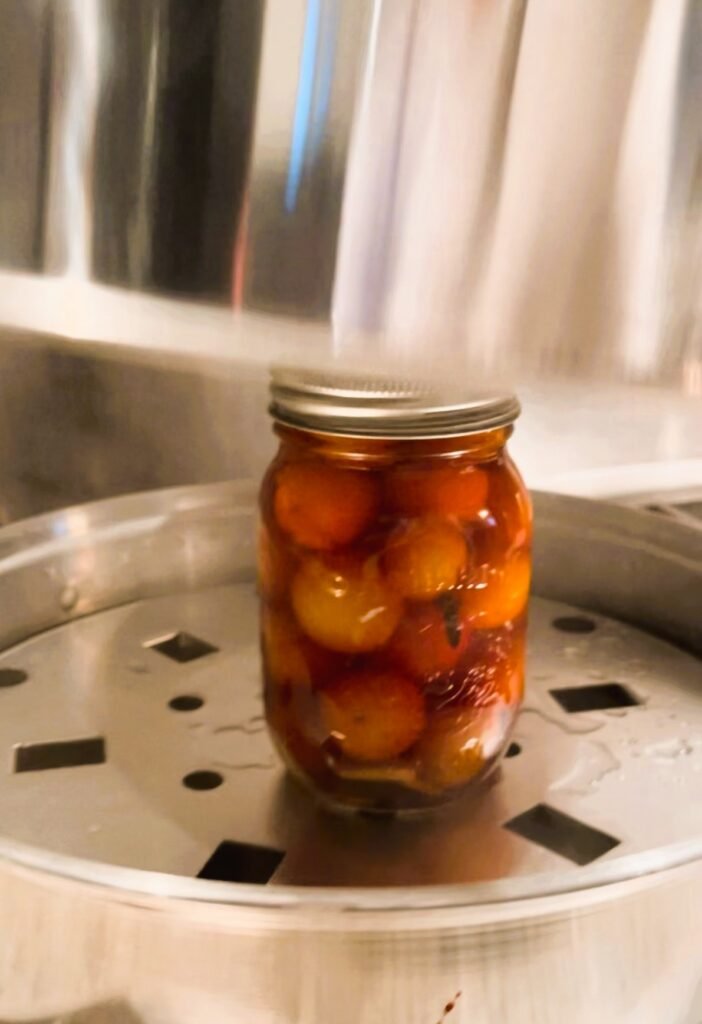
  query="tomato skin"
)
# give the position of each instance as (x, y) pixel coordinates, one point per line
(373, 714)
(322, 506)
(459, 744)
(275, 566)
(490, 671)
(445, 491)
(291, 658)
(345, 604)
(430, 639)
(502, 595)
(425, 557)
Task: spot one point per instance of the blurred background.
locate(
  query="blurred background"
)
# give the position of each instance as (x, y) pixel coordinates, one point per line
(77, 427)
(190, 191)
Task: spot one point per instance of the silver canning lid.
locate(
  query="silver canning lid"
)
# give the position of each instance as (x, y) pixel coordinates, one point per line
(382, 407)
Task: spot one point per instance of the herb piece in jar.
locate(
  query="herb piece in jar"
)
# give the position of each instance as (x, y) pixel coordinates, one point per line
(424, 644)
(451, 612)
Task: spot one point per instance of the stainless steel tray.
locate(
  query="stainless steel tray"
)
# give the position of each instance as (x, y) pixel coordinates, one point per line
(139, 773)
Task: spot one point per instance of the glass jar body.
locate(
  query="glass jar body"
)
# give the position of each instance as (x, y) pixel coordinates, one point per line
(394, 578)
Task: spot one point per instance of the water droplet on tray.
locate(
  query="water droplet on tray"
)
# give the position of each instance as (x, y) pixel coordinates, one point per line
(573, 725)
(669, 750)
(594, 761)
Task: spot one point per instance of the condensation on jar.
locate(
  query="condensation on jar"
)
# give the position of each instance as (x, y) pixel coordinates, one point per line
(394, 567)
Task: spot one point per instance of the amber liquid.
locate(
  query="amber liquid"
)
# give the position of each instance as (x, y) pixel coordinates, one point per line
(394, 580)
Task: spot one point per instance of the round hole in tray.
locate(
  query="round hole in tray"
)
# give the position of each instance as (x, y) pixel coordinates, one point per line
(186, 702)
(203, 780)
(12, 677)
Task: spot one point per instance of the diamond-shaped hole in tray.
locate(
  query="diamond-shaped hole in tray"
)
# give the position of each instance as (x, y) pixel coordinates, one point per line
(559, 833)
(241, 862)
(597, 697)
(181, 647)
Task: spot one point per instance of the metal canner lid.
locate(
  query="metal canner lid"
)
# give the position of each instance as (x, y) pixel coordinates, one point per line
(355, 406)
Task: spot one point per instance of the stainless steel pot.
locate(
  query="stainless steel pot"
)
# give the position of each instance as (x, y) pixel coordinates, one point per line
(500, 186)
(571, 892)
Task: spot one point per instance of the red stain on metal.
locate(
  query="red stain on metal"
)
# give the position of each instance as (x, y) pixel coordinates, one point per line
(451, 1005)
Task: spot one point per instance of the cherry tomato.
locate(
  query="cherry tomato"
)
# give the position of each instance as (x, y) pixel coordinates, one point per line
(373, 714)
(489, 672)
(345, 604)
(291, 658)
(501, 594)
(296, 732)
(425, 557)
(450, 752)
(431, 637)
(322, 506)
(274, 566)
(509, 518)
(458, 743)
(283, 653)
(447, 490)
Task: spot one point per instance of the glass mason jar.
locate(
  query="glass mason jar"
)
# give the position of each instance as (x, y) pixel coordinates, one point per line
(394, 568)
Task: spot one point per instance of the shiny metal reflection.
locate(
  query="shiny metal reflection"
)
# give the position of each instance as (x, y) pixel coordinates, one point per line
(503, 186)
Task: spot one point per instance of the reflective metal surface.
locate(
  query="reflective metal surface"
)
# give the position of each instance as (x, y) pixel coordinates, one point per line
(75, 427)
(182, 561)
(530, 940)
(505, 188)
(379, 407)
(130, 806)
(113, 1012)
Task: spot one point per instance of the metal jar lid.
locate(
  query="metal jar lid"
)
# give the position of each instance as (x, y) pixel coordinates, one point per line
(382, 407)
